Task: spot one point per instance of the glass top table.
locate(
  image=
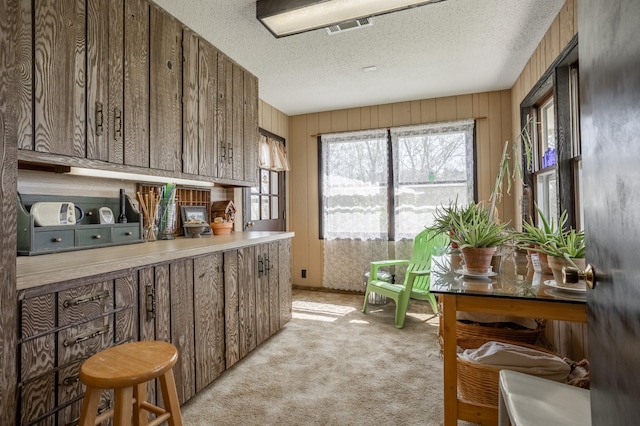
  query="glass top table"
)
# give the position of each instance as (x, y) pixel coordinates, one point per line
(514, 289)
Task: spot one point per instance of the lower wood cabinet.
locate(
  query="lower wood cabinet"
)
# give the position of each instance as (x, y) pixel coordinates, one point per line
(215, 308)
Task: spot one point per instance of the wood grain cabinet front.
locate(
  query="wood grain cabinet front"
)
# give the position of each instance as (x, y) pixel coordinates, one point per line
(62, 328)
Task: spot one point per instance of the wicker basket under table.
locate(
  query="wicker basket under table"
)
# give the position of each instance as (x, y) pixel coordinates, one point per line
(488, 333)
(478, 383)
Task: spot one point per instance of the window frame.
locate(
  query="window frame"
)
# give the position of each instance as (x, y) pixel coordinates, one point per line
(391, 194)
(279, 224)
(556, 81)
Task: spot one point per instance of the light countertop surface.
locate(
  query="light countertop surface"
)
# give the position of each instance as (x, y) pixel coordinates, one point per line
(34, 271)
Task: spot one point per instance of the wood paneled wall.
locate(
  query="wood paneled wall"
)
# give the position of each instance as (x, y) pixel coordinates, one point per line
(492, 112)
(569, 339)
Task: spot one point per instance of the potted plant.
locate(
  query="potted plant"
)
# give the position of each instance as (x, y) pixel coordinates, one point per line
(533, 238)
(565, 248)
(478, 235)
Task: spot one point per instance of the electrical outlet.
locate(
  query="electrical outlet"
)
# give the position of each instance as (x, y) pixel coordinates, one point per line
(304, 273)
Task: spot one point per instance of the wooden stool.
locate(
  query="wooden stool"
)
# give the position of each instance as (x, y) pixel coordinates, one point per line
(126, 369)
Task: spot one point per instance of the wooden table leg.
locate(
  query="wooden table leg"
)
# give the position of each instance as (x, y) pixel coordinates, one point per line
(450, 362)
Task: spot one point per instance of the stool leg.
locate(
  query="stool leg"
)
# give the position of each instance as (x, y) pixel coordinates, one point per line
(123, 407)
(140, 416)
(170, 397)
(90, 407)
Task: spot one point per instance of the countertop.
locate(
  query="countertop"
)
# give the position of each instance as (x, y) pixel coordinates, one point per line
(34, 271)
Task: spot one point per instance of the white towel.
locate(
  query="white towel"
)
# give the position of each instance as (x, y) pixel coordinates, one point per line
(519, 358)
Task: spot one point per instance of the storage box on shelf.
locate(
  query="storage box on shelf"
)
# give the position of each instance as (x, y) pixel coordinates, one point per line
(86, 233)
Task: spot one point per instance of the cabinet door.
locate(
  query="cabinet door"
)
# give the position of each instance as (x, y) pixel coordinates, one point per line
(182, 332)
(250, 133)
(272, 268)
(236, 146)
(190, 94)
(105, 36)
(263, 322)
(224, 116)
(208, 289)
(165, 91)
(207, 110)
(136, 83)
(59, 86)
(231, 308)
(247, 300)
(284, 281)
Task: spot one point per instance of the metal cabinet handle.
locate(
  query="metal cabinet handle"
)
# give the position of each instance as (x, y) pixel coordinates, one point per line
(97, 236)
(128, 233)
(85, 336)
(230, 151)
(260, 266)
(99, 119)
(57, 240)
(117, 124)
(84, 299)
(150, 302)
(71, 380)
(268, 265)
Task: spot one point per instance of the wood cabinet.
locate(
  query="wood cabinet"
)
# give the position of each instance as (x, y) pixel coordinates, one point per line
(105, 80)
(200, 93)
(124, 83)
(61, 328)
(59, 98)
(257, 296)
(215, 308)
(136, 83)
(165, 91)
(208, 306)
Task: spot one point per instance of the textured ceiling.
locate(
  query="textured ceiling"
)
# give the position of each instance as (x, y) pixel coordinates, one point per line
(448, 48)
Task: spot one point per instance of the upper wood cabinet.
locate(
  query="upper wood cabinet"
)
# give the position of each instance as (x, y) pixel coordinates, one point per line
(200, 92)
(165, 91)
(105, 80)
(123, 82)
(136, 83)
(59, 98)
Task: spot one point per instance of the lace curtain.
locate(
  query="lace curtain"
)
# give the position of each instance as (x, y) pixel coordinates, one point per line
(432, 164)
(354, 205)
(272, 154)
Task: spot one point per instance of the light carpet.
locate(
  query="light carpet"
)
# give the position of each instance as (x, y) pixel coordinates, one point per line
(333, 365)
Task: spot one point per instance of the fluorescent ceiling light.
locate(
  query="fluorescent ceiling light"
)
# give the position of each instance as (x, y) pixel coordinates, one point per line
(287, 17)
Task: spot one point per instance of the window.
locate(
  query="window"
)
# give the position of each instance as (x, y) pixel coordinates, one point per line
(264, 205)
(555, 178)
(385, 185)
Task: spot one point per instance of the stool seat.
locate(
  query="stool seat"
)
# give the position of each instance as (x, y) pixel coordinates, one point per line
(528, 400)
(128, 364)
(126, 369)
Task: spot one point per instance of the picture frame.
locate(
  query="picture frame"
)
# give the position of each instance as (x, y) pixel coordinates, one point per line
(197, 212)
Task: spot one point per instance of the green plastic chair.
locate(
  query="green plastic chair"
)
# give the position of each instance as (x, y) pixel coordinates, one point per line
(417, 278)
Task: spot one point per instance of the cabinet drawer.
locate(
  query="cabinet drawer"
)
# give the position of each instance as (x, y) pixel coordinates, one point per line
(53, 240)
(37, 356)
(81, 303)
(38, 398)
(126, 233)
(93, 236)
(85, 339)
(69, 384)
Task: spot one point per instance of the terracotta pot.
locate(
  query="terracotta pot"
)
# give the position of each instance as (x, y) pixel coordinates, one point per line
(544, 264)
(556, 264)
(478, 260)
(222, 228)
